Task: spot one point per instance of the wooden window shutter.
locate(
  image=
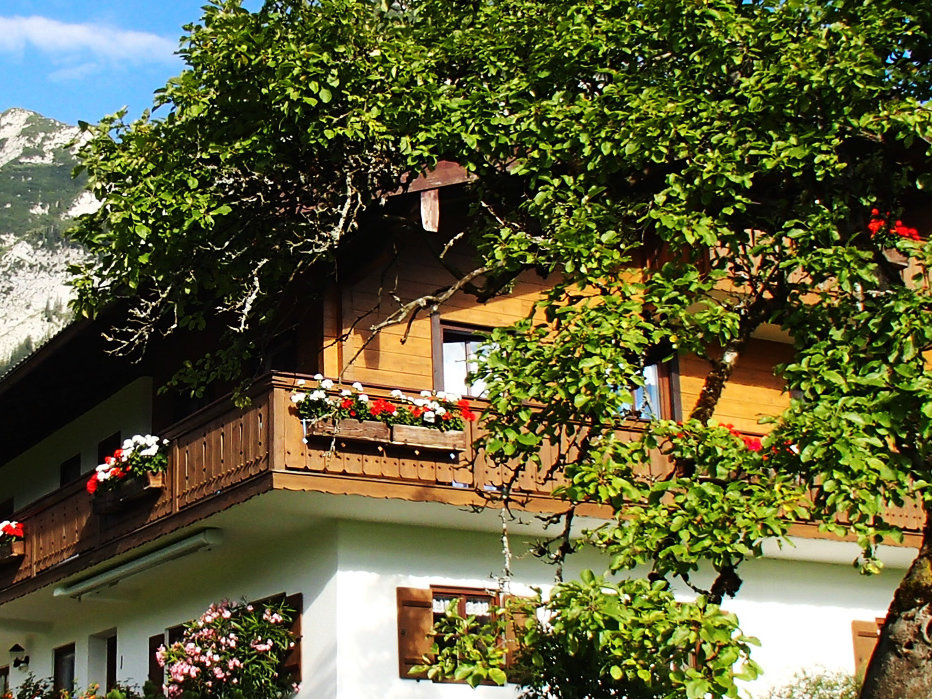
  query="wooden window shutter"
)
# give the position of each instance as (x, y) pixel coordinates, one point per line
(292, 662)
(865, 635)
(415, 621)
(512, 630)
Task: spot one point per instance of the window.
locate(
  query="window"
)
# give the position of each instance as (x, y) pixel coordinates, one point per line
(418, 609)
(647, 397)
(657, 398)
(291, 665)
(455, 359)
(107, 446)
(102, 659)
(111, 655)
(155, 675)
(70, 470)
(4, 679)
(63, 669)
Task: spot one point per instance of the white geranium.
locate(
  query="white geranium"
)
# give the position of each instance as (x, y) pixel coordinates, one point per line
(357, 386)
(326, 384)
(429, 416)
(298, 397)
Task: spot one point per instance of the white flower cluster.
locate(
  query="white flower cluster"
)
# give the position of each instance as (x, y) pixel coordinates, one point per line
(144, 444)
(432, 405)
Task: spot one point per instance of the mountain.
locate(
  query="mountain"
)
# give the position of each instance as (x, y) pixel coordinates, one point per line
(38, 200)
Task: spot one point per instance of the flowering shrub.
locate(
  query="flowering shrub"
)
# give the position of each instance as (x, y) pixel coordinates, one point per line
(231, 650)
(42, 688)
(140, 454)
(437, 410)
(10, 531)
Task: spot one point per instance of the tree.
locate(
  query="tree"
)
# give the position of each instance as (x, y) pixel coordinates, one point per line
(766, 150)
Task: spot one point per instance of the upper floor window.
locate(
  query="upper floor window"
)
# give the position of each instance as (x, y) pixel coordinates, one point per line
(647, 397)
(69, 470)
(459, 348)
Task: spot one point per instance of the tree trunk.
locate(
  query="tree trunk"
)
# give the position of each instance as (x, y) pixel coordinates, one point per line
(901, 667)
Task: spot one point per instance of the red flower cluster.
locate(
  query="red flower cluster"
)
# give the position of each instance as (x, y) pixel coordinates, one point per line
(465, 412)
(11, 528)
(379, 406)
(752, 443)
(878, 224)
(115, 472)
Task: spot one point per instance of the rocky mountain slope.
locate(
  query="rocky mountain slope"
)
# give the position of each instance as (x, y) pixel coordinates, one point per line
(38, 199)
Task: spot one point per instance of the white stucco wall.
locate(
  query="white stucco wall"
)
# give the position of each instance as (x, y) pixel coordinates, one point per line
(348, 571)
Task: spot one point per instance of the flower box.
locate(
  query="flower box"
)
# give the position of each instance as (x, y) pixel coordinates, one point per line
(12, 550)
(129, 491)
(428, 437)
(367, 430)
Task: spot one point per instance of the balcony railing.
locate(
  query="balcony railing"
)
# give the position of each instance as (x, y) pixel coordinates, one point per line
(222, 455)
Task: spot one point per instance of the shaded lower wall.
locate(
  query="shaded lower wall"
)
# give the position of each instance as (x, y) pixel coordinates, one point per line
(348, 568)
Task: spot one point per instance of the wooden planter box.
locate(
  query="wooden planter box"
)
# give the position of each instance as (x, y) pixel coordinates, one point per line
(367, 430)
(428, 438)
(12, 551)
(372, 431)
(127, 493)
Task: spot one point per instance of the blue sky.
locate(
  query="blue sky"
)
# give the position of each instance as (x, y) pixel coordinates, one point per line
(82, 59)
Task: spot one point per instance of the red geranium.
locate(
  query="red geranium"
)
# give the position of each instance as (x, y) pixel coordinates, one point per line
(14, 529)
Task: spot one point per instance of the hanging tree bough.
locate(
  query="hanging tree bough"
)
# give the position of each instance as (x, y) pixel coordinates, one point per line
(749, 142)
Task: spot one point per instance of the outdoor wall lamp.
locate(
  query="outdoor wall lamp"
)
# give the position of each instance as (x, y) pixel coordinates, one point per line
(18, 654)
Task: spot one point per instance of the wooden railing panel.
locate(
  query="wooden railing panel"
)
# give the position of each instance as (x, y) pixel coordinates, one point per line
(222, 452)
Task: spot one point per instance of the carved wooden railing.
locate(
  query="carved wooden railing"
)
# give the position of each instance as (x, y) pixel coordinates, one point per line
(211, 453)
(219, 452)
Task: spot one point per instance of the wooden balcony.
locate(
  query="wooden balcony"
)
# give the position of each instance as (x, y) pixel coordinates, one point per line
(222, 456)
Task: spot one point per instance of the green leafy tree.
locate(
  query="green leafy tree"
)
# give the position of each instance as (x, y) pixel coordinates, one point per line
(690, 171)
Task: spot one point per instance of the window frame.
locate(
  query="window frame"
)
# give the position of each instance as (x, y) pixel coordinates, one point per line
(415, 613)
(668, 395)
(439, 327)
(291, 663)
(59, 656)
(108, 445)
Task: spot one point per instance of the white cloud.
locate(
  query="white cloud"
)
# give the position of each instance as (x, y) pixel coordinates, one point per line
(60, 39)
(74, 73)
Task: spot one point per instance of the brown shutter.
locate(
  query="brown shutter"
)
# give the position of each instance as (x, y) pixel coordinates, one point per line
(514, 627)
(865, 635)
(292, 662)
(415, 621)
